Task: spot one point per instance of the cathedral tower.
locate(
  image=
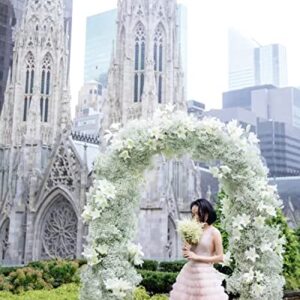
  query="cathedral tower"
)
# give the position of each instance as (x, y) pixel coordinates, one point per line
(35, 115)
(145, 68)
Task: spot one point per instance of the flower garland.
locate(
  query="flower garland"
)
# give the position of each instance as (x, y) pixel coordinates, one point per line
(113, 201)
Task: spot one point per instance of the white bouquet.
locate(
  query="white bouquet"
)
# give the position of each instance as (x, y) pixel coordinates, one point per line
(190, 230)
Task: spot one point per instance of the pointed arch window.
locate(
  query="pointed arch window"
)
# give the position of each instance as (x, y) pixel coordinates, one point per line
(139, 62)
(45, 88)
(158, 56)
(29, 82)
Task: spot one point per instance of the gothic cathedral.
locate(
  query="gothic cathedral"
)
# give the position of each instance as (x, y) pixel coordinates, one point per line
(45, 169)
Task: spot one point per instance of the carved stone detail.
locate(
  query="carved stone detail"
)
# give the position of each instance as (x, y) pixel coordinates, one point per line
(65, 170)
(59, 231)
(4, 233)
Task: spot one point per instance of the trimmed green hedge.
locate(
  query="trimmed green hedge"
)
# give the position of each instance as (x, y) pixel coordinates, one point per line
(157, 282)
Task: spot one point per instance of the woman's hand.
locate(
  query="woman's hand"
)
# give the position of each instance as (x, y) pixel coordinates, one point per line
(186, 246)
(190, 255)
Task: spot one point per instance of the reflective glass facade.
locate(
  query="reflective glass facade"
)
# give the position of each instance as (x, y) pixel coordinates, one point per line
(101, 30)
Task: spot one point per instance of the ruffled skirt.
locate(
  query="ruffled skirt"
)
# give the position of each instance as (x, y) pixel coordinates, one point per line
(198, 281)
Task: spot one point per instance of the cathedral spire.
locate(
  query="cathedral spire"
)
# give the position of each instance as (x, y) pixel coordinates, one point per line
(39, 89)
(145, 73)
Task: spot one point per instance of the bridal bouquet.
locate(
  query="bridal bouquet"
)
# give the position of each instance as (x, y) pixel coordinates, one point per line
(190, 231)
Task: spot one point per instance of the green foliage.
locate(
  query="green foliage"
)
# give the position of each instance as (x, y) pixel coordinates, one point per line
(58, 271)
(158, 282)
(297, 232)
(223, 269)
(291, 263)
(172, 266)
(159, 297)
(27, 279)
(150, 265)
(39, 275)
(69, 292)
(6, 270)
(65, 292)
(217, 224)
(140, 293)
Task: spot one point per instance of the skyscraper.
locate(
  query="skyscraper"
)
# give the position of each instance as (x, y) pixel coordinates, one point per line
(251, 64)
(241, 60)
(101, 30)
(11, 12)
(271, 65)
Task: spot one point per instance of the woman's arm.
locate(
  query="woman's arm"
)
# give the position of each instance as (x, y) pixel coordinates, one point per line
(218, 257)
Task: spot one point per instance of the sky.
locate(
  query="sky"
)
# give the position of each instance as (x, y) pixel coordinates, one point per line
(267, 21)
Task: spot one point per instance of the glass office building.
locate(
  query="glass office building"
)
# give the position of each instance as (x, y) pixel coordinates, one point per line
(101, 30)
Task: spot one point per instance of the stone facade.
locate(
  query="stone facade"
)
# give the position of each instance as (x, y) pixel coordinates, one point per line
(46, 170)
(42, 177)
(146, 74)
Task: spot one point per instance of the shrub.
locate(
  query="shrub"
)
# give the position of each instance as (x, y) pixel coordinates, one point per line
(27, 279)
(150, 265)
(5, 285)
(58, 272)
(6, 270)
(140, 294)
(172, 266)
(65, 292)
(158, 282)
(159, 297)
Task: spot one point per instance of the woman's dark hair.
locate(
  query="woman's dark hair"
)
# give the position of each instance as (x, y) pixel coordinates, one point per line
(205, 207)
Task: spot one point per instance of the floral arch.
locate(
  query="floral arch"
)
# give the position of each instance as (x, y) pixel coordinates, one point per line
(255, 246)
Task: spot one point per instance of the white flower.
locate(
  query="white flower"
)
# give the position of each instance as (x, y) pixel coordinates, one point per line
(258, 290)
(215, 172)
(227, 259)
(248, 277)
(236, 234)
(252, 138)
(266, 247)
(155, 133)
(241, 221)
(270, 210)
(135, 254)
(251, 254)
(261, 206)
(118, 286)
(190, 230)
(259, 221)
(129, 143)
(124, 154)
(87, 213)
(225, 169)
(95, 214)
(234, 130)
(91, 255)
(102, 249)
(259, 276)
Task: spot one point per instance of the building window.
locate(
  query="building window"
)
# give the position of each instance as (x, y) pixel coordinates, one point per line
(29, 81)
(159, 60)
(45, 88)
(139, 62)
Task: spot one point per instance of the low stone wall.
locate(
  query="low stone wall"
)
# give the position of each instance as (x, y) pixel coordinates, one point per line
(292, 295)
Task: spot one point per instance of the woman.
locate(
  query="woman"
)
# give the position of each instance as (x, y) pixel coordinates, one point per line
(198, 279)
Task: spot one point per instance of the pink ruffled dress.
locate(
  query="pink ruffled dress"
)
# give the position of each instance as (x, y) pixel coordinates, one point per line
(197, 280)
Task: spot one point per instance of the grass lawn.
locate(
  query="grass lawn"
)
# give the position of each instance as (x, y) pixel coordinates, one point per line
(65, 292)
